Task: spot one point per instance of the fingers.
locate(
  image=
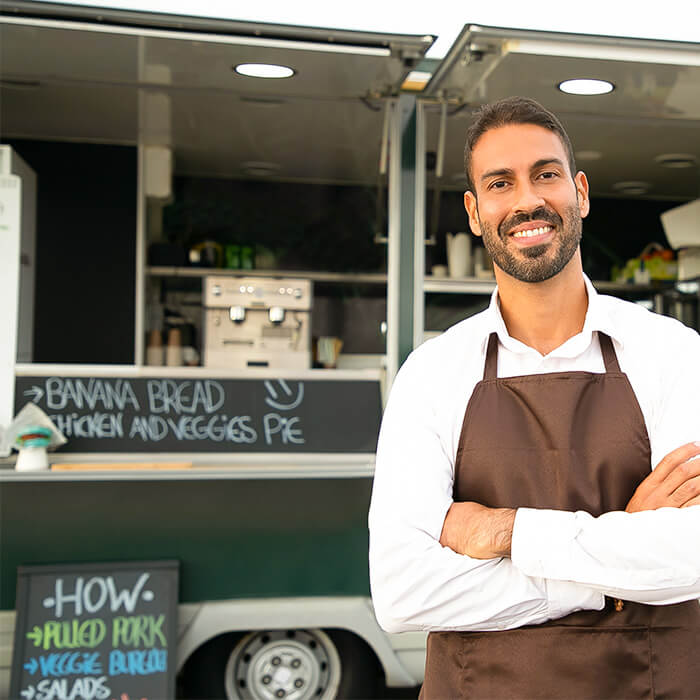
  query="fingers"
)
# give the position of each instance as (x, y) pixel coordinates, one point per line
(672, 484)
(687, 492)
(692, 502)
(674, 458)
(683, 474)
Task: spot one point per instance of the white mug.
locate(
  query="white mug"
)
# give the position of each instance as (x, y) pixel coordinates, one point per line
(459, 254)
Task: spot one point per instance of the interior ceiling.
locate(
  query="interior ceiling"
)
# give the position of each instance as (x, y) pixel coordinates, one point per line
(653, 110)
(62, 82)
(325, 123)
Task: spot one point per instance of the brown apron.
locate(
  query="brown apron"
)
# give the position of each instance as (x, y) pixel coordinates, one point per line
(568, 441)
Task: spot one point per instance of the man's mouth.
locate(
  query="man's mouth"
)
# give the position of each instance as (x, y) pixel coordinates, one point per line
(531, 232)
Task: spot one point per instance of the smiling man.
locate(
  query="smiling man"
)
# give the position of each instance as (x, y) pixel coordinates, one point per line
(536, 500)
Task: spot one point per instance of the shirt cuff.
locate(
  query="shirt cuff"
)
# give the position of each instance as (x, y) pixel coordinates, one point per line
(565, 597)
(542, 541)
(541, 547)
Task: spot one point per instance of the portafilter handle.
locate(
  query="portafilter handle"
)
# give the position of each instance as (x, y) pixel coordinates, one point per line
(237, 314)
(276, 314)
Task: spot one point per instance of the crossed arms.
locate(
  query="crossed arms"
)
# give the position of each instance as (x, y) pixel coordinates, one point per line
(437, 565)
(486, 533)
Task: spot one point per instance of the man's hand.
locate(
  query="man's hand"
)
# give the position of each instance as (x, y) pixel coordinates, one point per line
(478, 531)
(675, 483)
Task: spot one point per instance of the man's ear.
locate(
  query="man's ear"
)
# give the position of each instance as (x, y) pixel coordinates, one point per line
(584, 204)
(470, 206)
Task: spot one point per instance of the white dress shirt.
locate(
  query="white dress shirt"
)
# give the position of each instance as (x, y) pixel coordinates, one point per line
(560, 561)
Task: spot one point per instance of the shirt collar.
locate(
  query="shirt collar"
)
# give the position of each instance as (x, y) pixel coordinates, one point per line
(597, 319)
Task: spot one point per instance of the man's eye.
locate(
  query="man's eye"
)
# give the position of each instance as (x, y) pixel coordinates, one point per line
(548, 175)
(498, 185)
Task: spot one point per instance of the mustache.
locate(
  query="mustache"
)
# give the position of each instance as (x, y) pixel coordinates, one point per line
(539, 214)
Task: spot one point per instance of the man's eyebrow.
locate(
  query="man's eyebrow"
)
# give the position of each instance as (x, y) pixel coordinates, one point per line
(499, 172)
(547, 161)
(495, 173)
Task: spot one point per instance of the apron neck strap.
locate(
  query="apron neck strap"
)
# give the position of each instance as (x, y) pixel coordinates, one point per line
(609, 355)
(606, 348)
(491, 365)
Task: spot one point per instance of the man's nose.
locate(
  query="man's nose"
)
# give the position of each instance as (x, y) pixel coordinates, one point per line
(528, 198)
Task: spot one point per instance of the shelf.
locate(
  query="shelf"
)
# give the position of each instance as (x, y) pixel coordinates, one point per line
(350, 278)
(443, 285)
(459, 285)
(226, 467)
(649, 288)
(474, 285)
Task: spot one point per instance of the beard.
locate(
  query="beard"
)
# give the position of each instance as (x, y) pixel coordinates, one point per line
(535, 263)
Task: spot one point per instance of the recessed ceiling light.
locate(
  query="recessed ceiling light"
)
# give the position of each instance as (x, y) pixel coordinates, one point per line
(264, 70)
(677, 160)
(586, 86)
(632, 187)
(588, 155)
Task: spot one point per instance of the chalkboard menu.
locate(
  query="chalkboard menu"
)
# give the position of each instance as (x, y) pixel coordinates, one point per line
(156, 414)
(96, 632)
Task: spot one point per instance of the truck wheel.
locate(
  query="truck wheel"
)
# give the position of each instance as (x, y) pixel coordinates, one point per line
(266, 665)
(292, 664)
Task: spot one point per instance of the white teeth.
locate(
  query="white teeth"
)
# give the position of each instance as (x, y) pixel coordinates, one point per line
(532, 232)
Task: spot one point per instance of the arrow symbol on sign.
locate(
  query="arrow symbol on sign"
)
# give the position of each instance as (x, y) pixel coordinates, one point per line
(35, 392)
(36, 635)
(28, 693)
(32, 665)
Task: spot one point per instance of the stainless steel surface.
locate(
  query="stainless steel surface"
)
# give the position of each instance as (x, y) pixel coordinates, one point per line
(264, 470)
(140, 278)
(315, 275)
(447, 285)
(468, 285)
(419, 232)
(84, 370)
(654, 109)
(68, 80)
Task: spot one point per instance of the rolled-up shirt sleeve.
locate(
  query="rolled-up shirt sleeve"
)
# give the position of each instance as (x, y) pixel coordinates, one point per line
(416, 583)
(649, 557)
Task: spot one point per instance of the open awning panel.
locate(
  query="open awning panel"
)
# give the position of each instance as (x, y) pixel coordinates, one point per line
(653, 111)
(141, 78)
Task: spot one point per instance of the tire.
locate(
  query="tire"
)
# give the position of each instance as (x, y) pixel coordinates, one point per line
(284, 664)
(291, 664)
(361, 675)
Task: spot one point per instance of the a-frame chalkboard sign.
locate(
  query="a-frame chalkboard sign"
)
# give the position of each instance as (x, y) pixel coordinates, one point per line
(96, 631)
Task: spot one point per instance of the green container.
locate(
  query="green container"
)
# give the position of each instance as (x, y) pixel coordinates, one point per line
(232, 256)
(247, 257)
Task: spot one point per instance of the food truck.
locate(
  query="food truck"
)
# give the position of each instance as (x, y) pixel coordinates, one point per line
(211, 279)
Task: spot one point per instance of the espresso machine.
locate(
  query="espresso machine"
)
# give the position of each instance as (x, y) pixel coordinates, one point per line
(257, 322)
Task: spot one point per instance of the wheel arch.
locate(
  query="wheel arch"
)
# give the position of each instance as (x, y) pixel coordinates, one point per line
(353, 614)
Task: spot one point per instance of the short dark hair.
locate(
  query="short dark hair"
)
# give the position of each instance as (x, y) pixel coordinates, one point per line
(512, 110)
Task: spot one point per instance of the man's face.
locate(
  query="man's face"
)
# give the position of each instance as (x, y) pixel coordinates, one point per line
(527, 207)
